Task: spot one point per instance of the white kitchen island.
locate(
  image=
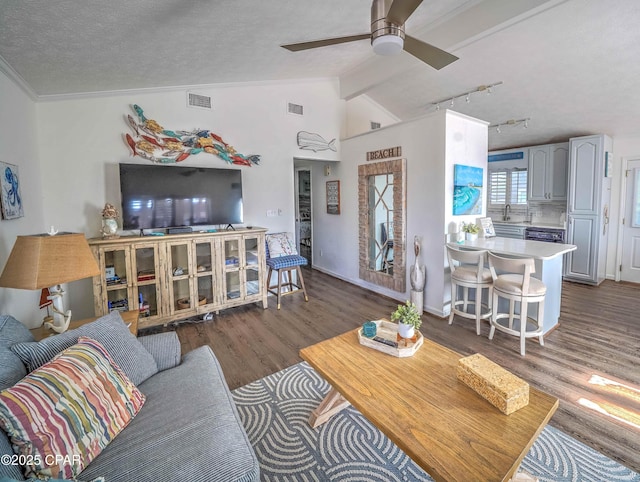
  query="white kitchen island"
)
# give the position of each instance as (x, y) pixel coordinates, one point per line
(548, 261)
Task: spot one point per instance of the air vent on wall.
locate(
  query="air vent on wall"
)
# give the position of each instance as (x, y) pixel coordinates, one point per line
(199, 101)
(375, 125)
(295, 109)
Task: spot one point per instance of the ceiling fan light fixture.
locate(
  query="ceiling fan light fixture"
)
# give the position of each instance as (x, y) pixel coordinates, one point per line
(387, 45)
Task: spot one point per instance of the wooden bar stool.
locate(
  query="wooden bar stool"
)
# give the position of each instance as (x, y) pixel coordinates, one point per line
(516, 284)
(468, 271)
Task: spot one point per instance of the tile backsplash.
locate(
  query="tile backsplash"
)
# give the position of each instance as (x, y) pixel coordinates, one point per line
(540, 212)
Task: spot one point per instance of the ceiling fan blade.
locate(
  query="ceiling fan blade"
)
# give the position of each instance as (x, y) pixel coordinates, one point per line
(401, 10)
(429, 54)
(323, 43)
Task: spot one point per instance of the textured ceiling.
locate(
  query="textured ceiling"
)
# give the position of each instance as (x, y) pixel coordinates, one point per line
(569, 65)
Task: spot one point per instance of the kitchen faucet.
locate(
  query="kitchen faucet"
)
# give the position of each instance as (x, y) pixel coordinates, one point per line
(507, 208)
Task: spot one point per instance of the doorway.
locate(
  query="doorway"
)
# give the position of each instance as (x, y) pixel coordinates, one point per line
(630, 259)
(303, 213)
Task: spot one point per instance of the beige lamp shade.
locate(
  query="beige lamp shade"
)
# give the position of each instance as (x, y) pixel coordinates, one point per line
(40, 261)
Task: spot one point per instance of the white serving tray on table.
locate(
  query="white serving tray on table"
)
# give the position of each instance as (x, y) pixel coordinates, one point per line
(389, 331)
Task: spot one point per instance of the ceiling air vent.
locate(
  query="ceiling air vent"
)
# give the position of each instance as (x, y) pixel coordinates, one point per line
(295, 109)
(199, 101)
(375, 125)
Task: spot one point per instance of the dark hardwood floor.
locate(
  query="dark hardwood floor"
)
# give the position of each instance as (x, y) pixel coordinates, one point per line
(599, 335)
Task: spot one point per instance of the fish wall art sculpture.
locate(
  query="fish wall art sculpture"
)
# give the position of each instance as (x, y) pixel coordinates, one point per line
(153, 142)
(314, 142)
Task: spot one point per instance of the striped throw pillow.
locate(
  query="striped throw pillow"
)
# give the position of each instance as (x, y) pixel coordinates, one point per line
(62, 415)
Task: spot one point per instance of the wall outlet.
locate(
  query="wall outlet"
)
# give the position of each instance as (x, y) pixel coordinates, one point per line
(272, 213)
(321, 253)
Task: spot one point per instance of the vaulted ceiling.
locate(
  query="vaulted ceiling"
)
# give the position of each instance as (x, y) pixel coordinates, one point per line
(568, 65)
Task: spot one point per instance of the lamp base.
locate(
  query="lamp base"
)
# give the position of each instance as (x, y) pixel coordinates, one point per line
(61, 318)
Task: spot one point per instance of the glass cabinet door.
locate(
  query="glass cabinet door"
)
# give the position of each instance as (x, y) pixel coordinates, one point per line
(180, 298)
(146, 280)
(205, 279)
(242, 267)
(232, 255)
(116, 276)
(252, 266)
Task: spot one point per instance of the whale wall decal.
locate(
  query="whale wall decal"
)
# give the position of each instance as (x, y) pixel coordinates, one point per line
(315, 142)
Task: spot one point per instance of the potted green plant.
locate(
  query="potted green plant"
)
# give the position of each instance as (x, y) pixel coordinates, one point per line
(470, 231)
(409, 319)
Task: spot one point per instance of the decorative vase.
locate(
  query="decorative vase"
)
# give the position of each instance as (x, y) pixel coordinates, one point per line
(109, 221)
(471, 236)
(109, 228)
(418, 277)
(405, 330)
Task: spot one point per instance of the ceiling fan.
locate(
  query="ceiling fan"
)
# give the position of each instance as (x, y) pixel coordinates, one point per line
(387, 35)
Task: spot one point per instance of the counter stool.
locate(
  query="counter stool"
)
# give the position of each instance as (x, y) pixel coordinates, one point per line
(468, 271)
(516, 284)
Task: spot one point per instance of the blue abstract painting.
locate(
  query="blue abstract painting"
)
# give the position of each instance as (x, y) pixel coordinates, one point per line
(467, 190)
(10, 192)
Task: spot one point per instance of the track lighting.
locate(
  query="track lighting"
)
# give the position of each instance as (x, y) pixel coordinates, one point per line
(511, 123)
(466, 95)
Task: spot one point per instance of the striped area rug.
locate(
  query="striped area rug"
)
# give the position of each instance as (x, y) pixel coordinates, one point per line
(275, 412)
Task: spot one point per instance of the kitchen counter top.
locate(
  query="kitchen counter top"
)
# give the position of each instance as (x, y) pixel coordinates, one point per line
(518, 247)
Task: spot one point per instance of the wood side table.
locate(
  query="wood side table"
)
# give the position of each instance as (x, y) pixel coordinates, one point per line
(129, 317)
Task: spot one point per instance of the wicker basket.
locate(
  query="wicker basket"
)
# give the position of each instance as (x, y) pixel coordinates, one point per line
(184, 303)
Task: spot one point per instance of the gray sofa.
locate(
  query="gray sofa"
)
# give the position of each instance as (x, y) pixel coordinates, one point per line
(188, 428)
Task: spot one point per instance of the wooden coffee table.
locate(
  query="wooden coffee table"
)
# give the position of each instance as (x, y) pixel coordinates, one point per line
(443, 425)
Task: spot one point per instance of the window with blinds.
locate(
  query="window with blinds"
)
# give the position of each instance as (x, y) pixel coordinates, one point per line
(508, 186)
(518, 186)
(498, 187)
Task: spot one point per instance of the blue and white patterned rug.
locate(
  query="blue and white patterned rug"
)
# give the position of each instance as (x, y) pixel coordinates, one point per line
(275, 412)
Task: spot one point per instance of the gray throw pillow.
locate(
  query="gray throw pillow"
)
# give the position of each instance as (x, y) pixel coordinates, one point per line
(12, 331)
(11, 367)
(125, 349)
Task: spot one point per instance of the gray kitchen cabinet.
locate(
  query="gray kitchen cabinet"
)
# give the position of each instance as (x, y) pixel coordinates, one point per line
(588, 209)
(580, 264)
(547, 172)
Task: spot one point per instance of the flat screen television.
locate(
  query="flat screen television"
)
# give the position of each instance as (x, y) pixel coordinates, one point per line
(159, 196)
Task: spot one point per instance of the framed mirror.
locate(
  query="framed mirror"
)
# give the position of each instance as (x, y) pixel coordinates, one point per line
(382, 201)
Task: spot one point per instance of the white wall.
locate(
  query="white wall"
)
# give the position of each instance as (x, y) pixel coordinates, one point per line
(18, 146)
(431, 145)
(80, 142)
(361, 111)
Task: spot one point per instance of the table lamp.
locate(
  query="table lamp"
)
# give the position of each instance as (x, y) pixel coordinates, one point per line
(46, 261)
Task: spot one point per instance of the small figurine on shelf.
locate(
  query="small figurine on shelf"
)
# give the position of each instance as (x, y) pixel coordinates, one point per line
(109, 222)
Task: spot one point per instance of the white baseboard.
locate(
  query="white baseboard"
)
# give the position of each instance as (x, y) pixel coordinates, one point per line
(367, 286)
